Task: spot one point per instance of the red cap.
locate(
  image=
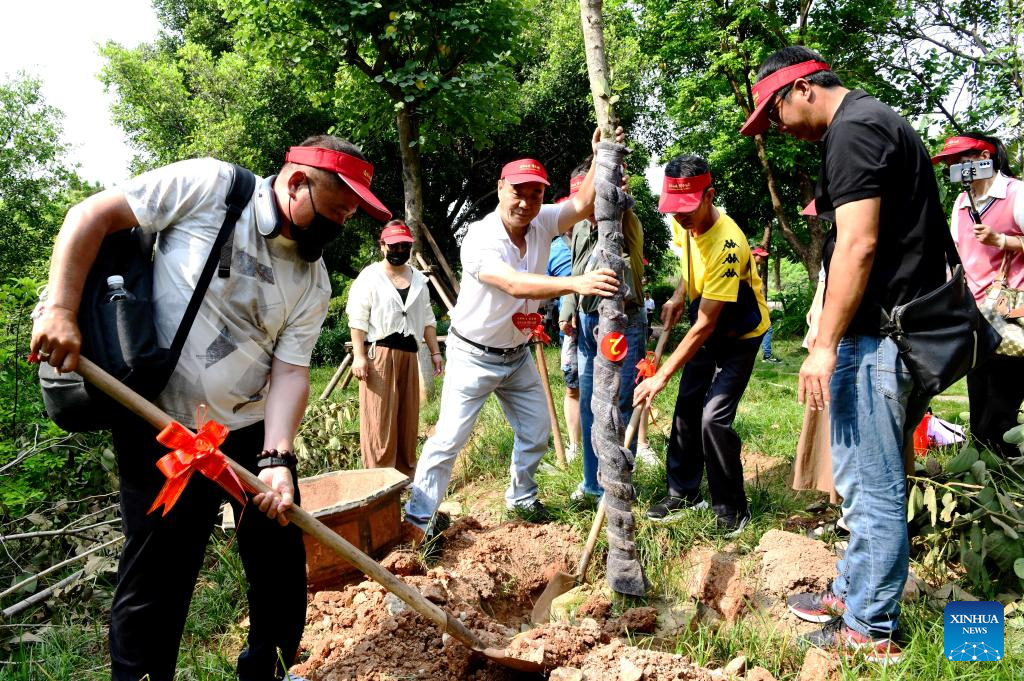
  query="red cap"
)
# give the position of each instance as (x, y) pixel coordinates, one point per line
(525, 170)
(682, 194)
(766, 88)
(811, 209)
(759, 251)
(575, 184)
(955, 146)
(354, 172)
(396, 233)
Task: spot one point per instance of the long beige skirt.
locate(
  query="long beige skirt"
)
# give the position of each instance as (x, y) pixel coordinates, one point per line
(812, 466)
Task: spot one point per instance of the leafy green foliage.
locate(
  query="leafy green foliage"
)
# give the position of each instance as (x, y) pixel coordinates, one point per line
(328, 438)
(961, 59)
(34, 180)
(330, 345)
(796, 302)
(970, 512)
(215, 85)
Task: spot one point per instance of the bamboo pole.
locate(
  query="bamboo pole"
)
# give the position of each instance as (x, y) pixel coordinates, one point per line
(441, 260)
(441, 292)
(337, 376)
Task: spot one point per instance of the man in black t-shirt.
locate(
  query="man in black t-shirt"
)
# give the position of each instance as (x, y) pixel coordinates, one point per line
(885, 249)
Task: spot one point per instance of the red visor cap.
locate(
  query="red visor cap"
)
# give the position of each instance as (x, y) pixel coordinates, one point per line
(354, 172)
(574, 186)
(396, 234)
(682, 194)
(958, 145)
(525, 170)
(811, 209)
(759, 251)
(766, 88)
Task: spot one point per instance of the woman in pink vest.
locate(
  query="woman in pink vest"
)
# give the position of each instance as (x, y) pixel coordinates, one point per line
(995, 389)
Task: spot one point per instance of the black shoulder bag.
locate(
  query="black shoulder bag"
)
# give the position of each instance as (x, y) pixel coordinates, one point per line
(120, 336)
(941, 335)
(736, 319)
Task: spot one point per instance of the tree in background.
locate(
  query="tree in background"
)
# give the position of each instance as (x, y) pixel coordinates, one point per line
(36, 182)
(442, 65)
(201, 89)
(707, 52)
(964, 60)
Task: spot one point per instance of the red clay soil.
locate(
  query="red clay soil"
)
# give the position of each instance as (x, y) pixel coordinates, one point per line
(488, 577)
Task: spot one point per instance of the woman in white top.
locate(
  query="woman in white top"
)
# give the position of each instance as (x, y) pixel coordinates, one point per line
(389, 314)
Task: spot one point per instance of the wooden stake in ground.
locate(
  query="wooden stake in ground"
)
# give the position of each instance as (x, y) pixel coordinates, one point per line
(625, 574)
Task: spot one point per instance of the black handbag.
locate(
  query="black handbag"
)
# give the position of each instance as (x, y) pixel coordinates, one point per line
(941, 335)
(120, 336)
(737, 319)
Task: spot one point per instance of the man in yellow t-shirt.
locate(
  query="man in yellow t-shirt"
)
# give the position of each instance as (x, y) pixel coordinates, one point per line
(718, 351)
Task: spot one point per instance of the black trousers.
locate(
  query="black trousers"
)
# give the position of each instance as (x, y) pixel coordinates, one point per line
(162, 557)
(996, 390)
(702, 434)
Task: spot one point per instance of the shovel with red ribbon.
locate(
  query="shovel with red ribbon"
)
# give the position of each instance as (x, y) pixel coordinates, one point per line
(198, 452)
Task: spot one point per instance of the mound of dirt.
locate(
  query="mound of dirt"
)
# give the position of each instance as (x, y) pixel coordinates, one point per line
(714, 580)
(488, 578)
(791, 563)
(588, 649)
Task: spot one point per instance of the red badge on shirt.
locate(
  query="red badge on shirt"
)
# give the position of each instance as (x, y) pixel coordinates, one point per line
(526, 322)
(614, 346)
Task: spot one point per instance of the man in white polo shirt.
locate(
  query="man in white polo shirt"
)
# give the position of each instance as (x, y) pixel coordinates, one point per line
(504, 257)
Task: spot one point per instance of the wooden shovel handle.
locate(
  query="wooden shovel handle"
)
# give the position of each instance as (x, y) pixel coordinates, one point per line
(413, 598)
(634, 423)
(556, 433)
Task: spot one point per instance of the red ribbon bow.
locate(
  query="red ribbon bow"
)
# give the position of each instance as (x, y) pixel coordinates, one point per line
(646, 367)
(193, 452)
(539, 334)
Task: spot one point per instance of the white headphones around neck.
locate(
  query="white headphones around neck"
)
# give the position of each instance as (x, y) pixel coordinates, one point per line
(268, 216)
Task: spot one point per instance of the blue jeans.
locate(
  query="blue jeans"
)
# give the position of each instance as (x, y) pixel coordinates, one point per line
(766, 343)
(471, 376)
(874, 410)
(636, 337)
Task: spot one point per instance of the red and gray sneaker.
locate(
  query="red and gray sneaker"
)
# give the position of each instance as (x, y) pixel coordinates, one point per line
(837, 636)
(819, 607)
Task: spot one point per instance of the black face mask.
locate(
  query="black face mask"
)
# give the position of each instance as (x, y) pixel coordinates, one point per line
(397, 258)
(312, 238)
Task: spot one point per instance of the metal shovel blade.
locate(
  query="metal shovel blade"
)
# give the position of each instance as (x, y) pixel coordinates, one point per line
(559, 584)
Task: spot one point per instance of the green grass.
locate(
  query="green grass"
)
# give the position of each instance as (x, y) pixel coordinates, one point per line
(74, 641)
(768, 421)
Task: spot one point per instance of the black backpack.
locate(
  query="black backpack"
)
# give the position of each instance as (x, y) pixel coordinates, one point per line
(120, 336)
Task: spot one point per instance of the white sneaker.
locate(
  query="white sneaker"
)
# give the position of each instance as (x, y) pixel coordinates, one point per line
(579, 494)
(645, 453)
(571, 452)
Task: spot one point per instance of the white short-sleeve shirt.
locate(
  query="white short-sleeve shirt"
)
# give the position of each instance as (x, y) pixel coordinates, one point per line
(272, 305)
(483, 313)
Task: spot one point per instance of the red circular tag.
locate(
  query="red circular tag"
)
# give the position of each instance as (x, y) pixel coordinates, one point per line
(614, 346)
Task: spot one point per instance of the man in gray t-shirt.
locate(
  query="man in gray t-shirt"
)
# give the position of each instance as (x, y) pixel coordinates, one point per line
(246, 359)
